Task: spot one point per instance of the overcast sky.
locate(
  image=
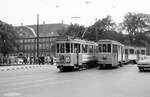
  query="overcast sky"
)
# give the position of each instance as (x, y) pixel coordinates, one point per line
(16, 12)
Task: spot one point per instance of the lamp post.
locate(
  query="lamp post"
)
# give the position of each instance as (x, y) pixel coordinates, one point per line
(4, 47)
(38, 38)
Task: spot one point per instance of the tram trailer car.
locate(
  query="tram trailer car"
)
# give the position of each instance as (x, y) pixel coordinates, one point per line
(133, 54)
(75, 54)
(111, 53)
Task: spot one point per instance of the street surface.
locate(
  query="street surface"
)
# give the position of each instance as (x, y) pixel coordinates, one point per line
(47, 81)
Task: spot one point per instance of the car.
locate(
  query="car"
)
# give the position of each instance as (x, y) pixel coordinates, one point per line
(144, 64)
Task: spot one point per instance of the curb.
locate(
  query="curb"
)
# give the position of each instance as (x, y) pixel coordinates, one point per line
(10, 68)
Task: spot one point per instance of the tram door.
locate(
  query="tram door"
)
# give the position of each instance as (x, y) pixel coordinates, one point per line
(122, 53)
(115, 55)
(126, 54)
(138, 54)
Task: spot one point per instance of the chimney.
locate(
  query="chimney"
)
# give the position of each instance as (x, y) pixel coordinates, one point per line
(21, 24)
(43, 22)
(62, 22)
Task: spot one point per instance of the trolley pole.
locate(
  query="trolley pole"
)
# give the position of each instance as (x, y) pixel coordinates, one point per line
(38, 38)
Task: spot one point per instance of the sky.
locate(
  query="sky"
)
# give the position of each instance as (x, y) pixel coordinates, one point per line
(16, 12)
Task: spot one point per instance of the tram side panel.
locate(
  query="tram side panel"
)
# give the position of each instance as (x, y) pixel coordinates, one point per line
(133, 54)
(110, 53)
(106, 60)
(70, 54)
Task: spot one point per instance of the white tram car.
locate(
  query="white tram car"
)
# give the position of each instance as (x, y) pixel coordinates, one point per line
(75, 54)
(133, 54)
(111, 53)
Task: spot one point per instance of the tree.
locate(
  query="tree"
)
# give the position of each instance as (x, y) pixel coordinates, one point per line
(7, 38)
(98, 29)
(134, 24)
(73, 30)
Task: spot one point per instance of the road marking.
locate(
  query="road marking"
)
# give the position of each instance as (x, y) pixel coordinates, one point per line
(12, 94)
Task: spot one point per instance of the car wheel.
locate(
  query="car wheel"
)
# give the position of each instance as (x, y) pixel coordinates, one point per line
(141, 69)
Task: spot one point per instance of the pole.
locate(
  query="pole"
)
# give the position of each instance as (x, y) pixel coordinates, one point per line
(38, 38)
(96, 33)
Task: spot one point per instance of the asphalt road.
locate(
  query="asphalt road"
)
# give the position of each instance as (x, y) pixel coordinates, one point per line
(126, 81)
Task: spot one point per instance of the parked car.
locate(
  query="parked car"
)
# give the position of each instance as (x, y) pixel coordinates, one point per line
(144, 64)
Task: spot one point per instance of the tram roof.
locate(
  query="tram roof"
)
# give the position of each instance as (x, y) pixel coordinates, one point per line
(111, 41)
(76, 40)
(135, 47)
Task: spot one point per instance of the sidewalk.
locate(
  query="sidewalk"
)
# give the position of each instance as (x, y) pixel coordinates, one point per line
(17, 67)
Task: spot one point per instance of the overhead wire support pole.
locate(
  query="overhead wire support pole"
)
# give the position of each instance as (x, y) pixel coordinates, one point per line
(38, 38)
(96, 33)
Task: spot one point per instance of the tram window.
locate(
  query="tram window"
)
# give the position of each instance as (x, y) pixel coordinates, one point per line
(67, 47)
(71, 48)
(138, 52)
(109, 47)
(79, 48)
(131, 51)
(62, 48)
(142, 52)
(115, 49)
(104, 48)
(57, 48)
(126, 51)
(100, 48)
(90, 48)
(84, 48)
(76, 48)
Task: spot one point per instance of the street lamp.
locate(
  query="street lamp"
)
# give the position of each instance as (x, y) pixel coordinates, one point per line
(38, 38)
(4, 48)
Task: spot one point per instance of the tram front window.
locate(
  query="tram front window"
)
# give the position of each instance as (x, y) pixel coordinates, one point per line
(126, 51)
(62, 48)
(67, 47)
(142, 52)
(100, 48)
(105, 48)
(76, 48)
(109, 47)
(131, 51)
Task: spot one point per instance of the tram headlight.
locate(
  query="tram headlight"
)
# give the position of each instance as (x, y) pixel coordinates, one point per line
(104, 57)
(67, 59)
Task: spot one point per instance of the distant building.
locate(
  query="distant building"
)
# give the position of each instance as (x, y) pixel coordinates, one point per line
(45, 30)
(28, 39)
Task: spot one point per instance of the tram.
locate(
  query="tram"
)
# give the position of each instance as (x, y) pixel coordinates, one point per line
(133, 54)
(75, 54)
(110, 54)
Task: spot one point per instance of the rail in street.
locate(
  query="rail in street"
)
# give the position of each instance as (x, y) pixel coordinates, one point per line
(18, 67)
(126, 81)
